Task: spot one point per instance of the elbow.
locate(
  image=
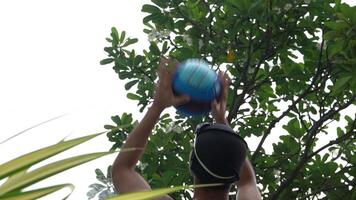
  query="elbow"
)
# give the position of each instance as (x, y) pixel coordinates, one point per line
(118, 170)
(123, 163)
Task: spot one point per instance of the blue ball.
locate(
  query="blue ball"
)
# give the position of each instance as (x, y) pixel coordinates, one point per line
(195, 78)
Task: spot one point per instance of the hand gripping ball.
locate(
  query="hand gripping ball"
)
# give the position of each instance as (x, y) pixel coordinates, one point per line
(195, 78)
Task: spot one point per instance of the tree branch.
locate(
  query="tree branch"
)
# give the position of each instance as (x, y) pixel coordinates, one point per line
(351, 133)
(237, 102)
(275, 121)
(305, 158)
(314, 129)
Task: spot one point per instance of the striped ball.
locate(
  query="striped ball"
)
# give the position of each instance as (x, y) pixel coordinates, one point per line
(195, 78)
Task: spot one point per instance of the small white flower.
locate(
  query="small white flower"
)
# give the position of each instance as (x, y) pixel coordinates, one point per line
(178, 129)
(157, 35)
(287, 6)
(153, 35)
(277, 10)
(277, 174)
(188, 40)
(142, 166)
(318, 46)
(165, 33)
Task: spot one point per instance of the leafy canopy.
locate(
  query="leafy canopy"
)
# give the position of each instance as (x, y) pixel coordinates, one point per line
(292, 64)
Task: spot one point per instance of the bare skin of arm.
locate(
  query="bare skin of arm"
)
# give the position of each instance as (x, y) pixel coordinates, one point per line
(247, 186)
(125, 178)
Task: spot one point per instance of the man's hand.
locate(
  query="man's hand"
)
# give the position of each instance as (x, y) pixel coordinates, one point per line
(218, 107)
(164, 96)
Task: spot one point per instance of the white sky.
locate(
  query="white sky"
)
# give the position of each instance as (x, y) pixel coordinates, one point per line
(49, 65)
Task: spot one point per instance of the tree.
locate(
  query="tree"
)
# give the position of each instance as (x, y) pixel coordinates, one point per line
(293, 73)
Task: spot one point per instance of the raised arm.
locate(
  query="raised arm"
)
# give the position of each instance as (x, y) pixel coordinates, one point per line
(247, 186)
(218, 107)
(125, 178)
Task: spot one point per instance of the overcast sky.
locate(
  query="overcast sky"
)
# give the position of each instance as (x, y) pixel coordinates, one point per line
(49, 66)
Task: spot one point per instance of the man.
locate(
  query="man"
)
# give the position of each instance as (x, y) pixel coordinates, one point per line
(210, 161)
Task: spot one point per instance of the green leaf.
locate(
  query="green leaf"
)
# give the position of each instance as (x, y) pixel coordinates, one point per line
(150, 18)
(109, 173)
(109, 127)
(116, 119)
(34, 157)
(47, 171)
(106, 61)
(17, 174)
(35, 194)
(100, 176)
(160, 3)
(337, 47)
(126, 118)
(130, 41)
(332, 35)
(154, 49)
(339, 132)
(164, 47)
(133, 96)
(339, 84)
(337, 25)
(293, 128)
(97, 186)
(138, 59)
(114, 34)
(150, 9)
(349, 119)
(120, 62)
(325, 157)
(121, 127)
(312, 110)
(130, 84)
(155, 193)
(182, 53)
(122, 36)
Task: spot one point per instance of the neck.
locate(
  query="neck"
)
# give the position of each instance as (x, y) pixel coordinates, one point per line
(206, 194)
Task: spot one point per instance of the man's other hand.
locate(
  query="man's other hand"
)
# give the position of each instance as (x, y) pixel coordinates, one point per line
(164, 96)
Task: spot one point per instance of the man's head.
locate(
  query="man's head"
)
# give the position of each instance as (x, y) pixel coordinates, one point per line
(217, 156)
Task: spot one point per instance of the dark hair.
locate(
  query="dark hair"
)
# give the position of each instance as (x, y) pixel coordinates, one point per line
(217, 155)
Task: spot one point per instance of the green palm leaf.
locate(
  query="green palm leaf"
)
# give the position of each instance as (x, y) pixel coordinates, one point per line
(41, 173)
(17, 174)
(156, 193)
(34, 157)
(34, 194)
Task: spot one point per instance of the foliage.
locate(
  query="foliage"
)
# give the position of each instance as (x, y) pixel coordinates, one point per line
(105, 188)
(292, 64)
(156, 193)
(17, 176)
